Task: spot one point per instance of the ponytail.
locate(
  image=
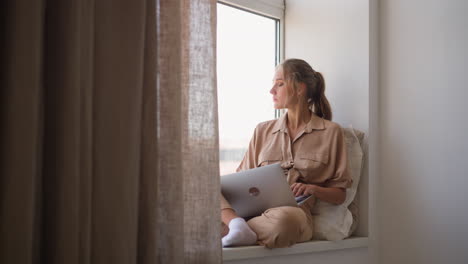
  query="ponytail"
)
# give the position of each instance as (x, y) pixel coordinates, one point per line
(320, 105)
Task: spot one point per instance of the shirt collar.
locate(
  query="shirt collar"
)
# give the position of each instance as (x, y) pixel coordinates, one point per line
(315, 123)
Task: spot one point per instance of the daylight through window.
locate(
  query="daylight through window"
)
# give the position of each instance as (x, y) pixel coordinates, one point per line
(247, 53)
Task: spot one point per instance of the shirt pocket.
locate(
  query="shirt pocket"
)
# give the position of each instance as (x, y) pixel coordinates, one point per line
(311, 162)
(269, 158)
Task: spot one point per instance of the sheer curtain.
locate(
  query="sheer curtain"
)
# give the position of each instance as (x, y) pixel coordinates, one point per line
(109, 144)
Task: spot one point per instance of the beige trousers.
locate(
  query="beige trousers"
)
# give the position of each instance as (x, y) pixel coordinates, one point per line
(281, 226)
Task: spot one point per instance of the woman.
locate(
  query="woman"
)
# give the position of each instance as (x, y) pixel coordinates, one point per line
(311, 150)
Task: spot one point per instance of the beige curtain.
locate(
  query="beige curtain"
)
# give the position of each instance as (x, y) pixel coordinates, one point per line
(109, 145)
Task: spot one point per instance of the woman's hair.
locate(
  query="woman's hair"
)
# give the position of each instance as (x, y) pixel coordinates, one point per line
(298, 71)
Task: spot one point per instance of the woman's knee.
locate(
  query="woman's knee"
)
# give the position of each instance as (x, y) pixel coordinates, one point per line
(282, 227)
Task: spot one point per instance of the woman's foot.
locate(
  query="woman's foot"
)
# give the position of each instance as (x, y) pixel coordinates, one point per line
(239, 234)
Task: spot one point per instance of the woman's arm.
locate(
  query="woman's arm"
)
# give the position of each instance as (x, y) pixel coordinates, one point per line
(328, 194)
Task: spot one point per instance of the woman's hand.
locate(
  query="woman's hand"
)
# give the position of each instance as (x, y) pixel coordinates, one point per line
(299, 189)
(332, 195)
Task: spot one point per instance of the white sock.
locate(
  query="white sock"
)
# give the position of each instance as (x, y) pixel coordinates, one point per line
(239, 234)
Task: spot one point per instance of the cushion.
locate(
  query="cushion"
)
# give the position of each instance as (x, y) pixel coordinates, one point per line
(335, 222)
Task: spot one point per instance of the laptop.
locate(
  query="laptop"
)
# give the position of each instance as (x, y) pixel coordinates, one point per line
(253, 191)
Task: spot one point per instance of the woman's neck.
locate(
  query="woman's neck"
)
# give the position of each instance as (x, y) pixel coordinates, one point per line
(298, 117)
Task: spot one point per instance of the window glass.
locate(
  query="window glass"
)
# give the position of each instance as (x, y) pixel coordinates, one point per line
(246, 58)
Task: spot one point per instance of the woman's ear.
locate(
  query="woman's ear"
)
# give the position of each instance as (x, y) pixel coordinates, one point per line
(302, 91)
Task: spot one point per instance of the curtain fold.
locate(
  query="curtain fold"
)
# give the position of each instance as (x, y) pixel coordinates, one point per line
(109, 132)
(21, 130)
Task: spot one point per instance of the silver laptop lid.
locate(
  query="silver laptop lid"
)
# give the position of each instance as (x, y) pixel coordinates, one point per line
(253, 191)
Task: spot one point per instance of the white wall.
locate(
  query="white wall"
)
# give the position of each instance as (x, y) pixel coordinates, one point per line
(333, 36)
(423, 131)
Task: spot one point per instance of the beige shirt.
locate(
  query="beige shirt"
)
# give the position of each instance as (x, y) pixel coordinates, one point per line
(316, 156)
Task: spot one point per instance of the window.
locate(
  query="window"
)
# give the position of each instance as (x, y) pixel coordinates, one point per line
(247, 52)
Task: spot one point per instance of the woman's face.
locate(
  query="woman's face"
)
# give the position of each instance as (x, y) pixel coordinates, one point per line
(280, 91)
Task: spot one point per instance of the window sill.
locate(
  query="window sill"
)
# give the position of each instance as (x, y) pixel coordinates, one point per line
(251, 252)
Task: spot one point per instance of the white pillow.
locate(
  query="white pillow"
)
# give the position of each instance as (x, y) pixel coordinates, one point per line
(333, 222)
